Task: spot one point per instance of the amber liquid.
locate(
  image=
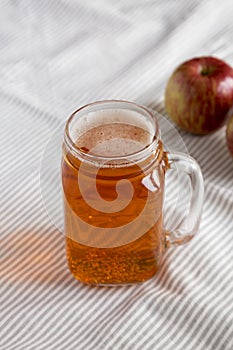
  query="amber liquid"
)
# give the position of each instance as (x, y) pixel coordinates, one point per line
(110, 260)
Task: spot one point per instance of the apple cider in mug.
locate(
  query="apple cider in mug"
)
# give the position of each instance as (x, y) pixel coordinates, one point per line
(113, 171)
(113, 259)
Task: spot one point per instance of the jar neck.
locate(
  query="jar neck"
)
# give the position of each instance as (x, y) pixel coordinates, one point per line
(126, 121)
(131, 166)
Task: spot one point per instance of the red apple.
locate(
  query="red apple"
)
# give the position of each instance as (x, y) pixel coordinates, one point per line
(199, 94)
(229, 135)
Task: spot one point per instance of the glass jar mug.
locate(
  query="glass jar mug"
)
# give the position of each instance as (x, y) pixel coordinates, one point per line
(113, 176)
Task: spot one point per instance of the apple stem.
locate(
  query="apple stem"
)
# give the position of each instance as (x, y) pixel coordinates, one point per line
(208, 70)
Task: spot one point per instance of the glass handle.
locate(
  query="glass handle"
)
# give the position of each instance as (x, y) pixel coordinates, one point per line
(190, 223)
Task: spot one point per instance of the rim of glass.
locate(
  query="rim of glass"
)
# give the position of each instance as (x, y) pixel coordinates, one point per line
(121, 104)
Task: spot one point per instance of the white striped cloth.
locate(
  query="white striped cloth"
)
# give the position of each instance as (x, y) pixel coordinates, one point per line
(56, 56)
